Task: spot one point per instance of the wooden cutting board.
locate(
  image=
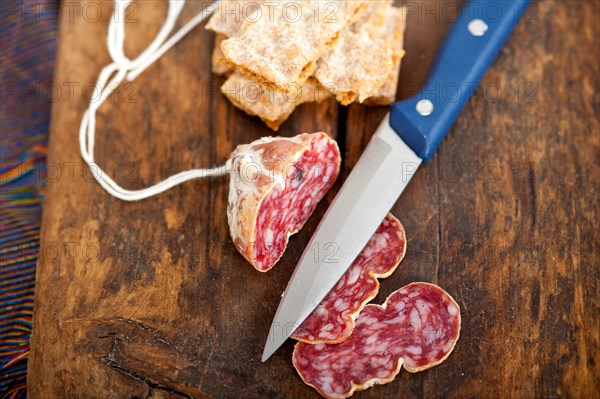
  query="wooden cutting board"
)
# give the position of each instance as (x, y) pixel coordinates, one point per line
(151, 300)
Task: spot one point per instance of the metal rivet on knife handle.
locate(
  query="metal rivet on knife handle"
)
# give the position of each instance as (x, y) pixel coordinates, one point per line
(425, 107)
(477, 27)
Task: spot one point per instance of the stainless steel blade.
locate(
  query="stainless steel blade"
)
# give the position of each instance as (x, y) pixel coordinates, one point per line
(376, 182)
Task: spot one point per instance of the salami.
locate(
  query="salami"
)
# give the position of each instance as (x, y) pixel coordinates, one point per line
(333, 320)
(275, 186)
(417, 327)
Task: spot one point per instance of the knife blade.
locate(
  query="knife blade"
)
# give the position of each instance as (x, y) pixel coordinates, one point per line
(409, 135)
(380, 176)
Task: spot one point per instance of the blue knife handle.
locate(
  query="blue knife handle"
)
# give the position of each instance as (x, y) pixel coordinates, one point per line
(468, 51)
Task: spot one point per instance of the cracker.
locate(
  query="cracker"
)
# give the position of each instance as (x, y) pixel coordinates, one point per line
(231, 14)
(356, 68)
(394, 26)
(364, 57)
(226, 21)
(220, 65)
(279, 49)
(374, 17)
(270, 105)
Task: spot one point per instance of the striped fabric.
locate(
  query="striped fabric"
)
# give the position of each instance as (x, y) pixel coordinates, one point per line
(20, 211)
(28, 43)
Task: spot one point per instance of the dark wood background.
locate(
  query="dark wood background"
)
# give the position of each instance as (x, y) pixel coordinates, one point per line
(151, 300)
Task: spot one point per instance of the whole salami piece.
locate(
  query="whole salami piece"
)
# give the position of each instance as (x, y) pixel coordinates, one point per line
(333, 320)
(417, 327)
(275, 186)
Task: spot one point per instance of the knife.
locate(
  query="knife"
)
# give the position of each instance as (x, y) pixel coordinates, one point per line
(408, 136)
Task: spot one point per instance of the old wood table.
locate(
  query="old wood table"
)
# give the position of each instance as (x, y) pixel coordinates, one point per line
(150, 299)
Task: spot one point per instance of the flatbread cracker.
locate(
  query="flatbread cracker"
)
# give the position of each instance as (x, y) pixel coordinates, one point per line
(226, 21)
(394, 26)
(220, 65)
(231, 14)
(280, 49)
(373, 17)
(270, 105)
(356, 68)
(363, 59)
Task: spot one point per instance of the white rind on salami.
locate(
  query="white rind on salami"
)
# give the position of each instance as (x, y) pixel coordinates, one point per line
(333, 320)
(417, 327)
(275, 186)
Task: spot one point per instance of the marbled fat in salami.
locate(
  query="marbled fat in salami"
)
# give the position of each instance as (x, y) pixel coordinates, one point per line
(417, 327)
(275, 186)
(333, 320)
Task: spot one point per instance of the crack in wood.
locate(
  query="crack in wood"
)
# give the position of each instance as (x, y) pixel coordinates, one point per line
(111, 361)
(143, 353)
(136, 376)
(165, 340)
(531, 177)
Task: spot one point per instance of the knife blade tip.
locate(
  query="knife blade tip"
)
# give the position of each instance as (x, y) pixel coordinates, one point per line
(268, 352)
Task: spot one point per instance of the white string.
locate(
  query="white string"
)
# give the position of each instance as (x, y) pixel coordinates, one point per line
(112, 75)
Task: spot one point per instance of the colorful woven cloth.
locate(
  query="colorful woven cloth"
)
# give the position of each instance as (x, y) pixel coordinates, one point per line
(28, 43)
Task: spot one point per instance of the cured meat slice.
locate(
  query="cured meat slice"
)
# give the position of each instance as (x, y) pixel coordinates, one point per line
(417, 327)
(275, 186)
(333, 320)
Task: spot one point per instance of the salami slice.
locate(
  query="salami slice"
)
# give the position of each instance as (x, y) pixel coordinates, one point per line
(417, 327)
(333, 320)
(275, 186)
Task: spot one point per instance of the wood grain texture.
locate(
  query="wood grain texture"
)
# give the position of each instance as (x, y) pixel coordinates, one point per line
(151, 300)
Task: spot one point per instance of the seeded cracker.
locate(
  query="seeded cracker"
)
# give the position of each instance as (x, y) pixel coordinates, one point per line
(363, 59)
(280, 48)
(272, 106)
